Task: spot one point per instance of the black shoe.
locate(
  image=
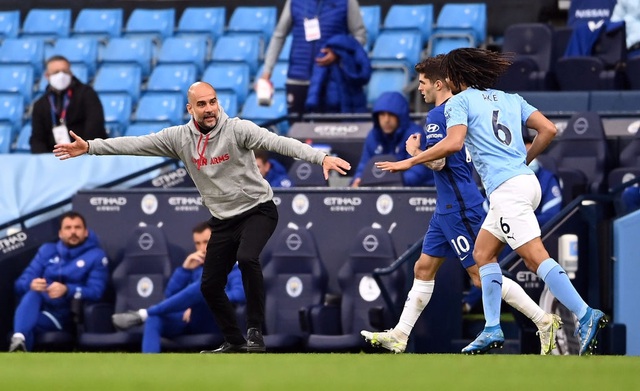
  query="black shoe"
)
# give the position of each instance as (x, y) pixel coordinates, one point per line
(255, 341)
(227, 347)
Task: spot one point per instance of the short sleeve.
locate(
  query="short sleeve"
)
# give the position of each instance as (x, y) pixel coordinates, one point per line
(525, 109)
(456, 111)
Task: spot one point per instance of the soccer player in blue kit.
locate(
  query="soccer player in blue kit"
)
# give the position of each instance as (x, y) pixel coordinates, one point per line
(453, 227)
(489, 123)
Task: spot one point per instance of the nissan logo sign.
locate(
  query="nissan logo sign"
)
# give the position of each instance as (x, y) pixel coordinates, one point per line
(581, 125)
(303, 171)
(370, 243)
(294, 242)
(145, 241)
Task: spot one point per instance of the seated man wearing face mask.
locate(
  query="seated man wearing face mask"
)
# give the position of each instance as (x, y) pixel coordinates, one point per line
(67, 104)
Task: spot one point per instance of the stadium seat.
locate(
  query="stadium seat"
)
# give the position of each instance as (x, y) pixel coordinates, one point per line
(395, 49)
(140, 128)
(184, 50)
(202, 21)
(231, 76)
(457, 23)
(117, 110)
(102, 24)
(373, 176)
(48, 24)
(294, 280)
(138, 281)
(17, 78)
(305, 174)
(629, 164)
(23, 51)
(582, 156)
(229, 101)
(172, 77)
(9, 24)
(532, 44)
(161, 106)
(371, 17)
(384, 80)
(633, 73)
(77, 51)
(157, 24)
(602, 70)
(338, 330)
(119, 78)
(238, 49)
(254, 20)
(23, 144)
(410, 17)
(6, 137)
(129, 50)
(12, 110)
(261, 115)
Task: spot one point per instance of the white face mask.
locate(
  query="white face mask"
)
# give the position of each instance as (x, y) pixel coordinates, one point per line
(60, 81)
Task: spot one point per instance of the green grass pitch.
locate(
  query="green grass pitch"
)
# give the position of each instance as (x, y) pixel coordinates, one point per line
(306, 372)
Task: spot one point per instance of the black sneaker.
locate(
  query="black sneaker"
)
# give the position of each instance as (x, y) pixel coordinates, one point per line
(227, 347)
(17, 345)
(255, 341)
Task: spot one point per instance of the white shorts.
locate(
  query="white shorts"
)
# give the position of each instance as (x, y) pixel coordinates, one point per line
(511, 216)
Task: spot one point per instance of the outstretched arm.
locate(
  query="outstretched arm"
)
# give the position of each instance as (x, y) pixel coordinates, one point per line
(445, 147)
(78, 147)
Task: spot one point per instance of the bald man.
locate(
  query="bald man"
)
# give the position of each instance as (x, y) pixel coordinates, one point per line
(217, 152)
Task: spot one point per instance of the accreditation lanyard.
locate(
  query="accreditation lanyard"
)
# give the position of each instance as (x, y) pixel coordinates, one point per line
(312, 25)
(65, 103)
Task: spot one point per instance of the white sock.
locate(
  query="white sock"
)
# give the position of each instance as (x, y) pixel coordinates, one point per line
(19, 336)
(143, 314)
(417, 299)
(517, 298)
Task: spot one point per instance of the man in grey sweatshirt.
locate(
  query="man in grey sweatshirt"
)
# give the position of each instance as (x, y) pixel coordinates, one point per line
(217, 151)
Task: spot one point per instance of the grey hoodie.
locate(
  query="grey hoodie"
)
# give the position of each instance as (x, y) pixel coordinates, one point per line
(221, 163)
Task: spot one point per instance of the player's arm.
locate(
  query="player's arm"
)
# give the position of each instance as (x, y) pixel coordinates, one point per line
(452, 143)
(413, 149)
(546, 132)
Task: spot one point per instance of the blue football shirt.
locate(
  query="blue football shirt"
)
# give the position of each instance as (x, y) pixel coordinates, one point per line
(454, 183)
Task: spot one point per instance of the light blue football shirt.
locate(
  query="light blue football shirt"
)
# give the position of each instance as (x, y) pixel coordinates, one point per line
(494, 121)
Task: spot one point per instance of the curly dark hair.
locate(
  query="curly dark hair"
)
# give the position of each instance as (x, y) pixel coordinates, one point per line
(475, 68)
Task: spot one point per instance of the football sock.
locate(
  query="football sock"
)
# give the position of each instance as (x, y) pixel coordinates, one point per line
(517, 298)
(561, 287)
(491, 277)
(417, 299)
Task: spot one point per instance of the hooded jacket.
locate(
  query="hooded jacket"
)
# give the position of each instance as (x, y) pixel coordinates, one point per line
(378, 143)
(339, 87)
(83, 269)
(221, 162)
(85, 116)
(277, 175)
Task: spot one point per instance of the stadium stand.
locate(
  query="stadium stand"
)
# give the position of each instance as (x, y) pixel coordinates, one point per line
(47, 24)
(208, 22)
(102, 24)
(410, 17)
(371, 17)
(156, 24)
(9, 24)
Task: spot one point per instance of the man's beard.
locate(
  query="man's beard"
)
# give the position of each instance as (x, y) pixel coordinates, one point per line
(205, 128)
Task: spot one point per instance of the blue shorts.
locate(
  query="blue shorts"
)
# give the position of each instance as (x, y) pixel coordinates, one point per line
(454, 234)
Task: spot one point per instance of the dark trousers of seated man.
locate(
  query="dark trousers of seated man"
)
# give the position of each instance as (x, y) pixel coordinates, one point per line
(240, 238)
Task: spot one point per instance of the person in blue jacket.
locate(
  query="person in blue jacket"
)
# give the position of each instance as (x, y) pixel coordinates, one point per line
(392, 126)
(184, 310)
(272, 171)
(75, 267)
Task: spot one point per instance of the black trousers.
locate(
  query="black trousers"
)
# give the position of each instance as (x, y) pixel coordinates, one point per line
(296, 98)
(240, 239)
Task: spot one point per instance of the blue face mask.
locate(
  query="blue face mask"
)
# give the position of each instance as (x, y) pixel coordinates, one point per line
(534, 165)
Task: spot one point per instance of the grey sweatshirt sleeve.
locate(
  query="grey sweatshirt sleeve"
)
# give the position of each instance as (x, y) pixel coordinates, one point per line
(163, 143)
(277, 39)
(251, 136)
(355, 22)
